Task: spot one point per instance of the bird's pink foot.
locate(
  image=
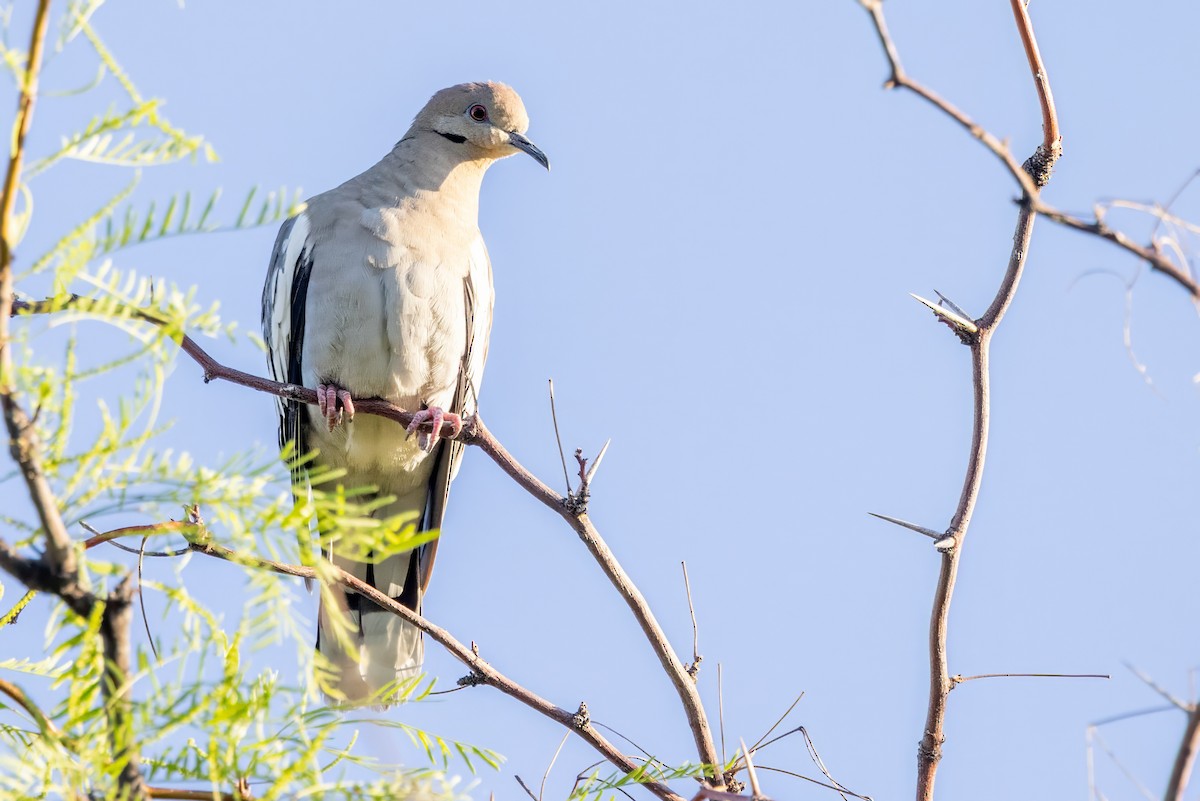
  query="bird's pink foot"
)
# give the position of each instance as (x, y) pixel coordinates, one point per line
(333, 402)
(434, 416)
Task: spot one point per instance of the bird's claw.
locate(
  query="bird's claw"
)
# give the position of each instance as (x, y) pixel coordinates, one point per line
(435, 416)
(335, 402)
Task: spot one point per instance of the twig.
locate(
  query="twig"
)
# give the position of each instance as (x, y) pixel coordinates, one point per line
(1147, 253)
(693, 669)
(958, 678)
(142, 599)
(553, 759)
(721, 709)
(525, 787)
(814, 781)
(1041, 164)
(777, 723)
(558, 439)
(43, 721)
(1158, 688)
(1149, 796)
(816, 758)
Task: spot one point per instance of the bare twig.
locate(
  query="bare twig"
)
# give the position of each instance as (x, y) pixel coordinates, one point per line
(721, 709)
(816, 758)
(694, 668)
(1041, 164)
(525, 787)
(557, 438)
(553, 759)
(815, 781)
(777, 723)
(958, 678)
(1129, 774)
(1158, 688)
(1150, 254)
(142, 598)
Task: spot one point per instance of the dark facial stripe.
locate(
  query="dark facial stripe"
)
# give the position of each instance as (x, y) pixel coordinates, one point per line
(458, 140)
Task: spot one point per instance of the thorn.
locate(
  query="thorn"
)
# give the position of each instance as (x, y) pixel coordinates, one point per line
(928, 532)
(591, 473)
(954, 307)
(751, 774)
(955, 321)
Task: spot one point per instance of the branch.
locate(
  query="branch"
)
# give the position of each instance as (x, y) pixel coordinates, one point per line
(22, 440)
(899, 80)
(1150, 254)
(473, 432)
(1031, 177)
(37, 575)
(1041, 164)
(114, 633)
(44, 723)
(1185, 757)
(481, 670)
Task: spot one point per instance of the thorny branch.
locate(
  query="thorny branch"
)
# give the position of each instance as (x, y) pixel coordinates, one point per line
(1031, 177)
(473, 432)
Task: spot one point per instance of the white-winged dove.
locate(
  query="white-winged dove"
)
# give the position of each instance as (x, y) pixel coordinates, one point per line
(382, 288)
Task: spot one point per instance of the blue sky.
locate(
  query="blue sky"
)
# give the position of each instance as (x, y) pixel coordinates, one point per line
(715, 275)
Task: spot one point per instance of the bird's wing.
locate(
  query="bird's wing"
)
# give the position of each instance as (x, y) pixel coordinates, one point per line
(478, 300)
(283, 315)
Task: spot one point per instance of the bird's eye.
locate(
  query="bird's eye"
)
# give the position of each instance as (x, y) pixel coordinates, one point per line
(478, 113)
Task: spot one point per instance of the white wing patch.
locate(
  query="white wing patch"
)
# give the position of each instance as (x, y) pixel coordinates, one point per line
(277, 316)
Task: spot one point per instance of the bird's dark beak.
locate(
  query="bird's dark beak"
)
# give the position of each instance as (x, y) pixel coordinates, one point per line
(521, 143)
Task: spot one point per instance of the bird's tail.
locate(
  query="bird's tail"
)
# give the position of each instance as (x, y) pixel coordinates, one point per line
(365, 648)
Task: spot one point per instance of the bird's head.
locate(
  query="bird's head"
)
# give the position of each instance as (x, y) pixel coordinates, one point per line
(487, 116)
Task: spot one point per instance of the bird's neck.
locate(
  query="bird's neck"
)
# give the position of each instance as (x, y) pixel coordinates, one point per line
(437, 174)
